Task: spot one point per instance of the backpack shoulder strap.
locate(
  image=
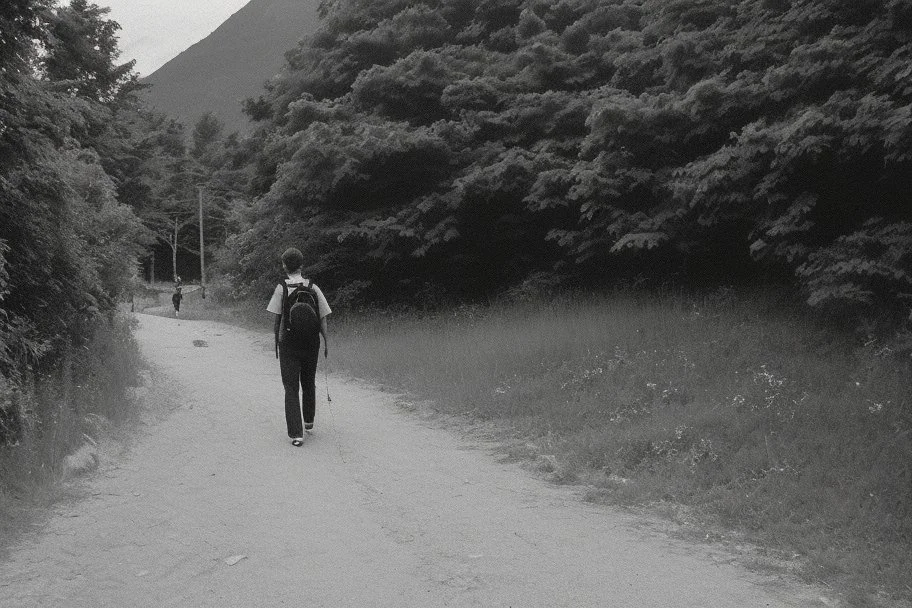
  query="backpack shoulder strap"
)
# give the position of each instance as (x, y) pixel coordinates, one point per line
(282, 317)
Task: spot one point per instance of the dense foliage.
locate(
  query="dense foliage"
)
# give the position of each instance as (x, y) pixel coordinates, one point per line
(68, 244)
(474, 145)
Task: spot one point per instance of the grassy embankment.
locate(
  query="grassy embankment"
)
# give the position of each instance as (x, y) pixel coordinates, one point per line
(723, 413)
(64, 411)
(738, 416)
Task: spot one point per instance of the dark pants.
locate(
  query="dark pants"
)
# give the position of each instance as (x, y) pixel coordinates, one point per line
(299, 368)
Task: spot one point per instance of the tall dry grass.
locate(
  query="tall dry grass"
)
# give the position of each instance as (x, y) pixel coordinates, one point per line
(82, 399)
(742, 410)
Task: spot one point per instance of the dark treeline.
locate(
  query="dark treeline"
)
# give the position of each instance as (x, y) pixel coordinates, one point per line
(468, 146)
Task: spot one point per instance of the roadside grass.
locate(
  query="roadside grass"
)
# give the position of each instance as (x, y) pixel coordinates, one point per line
(64, 413)
(731, 413)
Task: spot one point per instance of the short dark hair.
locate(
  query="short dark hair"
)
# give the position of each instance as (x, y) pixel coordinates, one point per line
(293, 259)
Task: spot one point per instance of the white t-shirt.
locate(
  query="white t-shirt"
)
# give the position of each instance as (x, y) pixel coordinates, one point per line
(275, 303)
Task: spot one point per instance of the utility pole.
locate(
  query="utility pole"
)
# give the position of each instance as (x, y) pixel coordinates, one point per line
(202, 247)
(174, 250)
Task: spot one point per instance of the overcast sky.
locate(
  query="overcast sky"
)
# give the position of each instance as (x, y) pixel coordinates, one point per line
(154, 31)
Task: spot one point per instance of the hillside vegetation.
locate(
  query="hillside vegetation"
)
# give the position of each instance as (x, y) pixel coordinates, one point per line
(465, 147)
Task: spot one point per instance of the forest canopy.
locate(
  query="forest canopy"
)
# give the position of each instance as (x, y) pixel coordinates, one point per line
(473, 145)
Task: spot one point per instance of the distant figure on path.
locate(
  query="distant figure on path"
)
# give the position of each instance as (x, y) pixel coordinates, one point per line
(178, 282)
(176, 300)
(300, 311)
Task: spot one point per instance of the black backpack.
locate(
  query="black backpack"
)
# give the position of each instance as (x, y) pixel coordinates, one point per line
(300, 326)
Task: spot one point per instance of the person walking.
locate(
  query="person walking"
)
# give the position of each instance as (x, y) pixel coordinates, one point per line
(176, 300)
(300, 310)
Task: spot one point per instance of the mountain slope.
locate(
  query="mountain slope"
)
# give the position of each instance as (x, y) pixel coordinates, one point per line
(232, 63)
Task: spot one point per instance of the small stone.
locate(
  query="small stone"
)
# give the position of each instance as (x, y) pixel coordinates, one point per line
(234, 559)
(83, 460)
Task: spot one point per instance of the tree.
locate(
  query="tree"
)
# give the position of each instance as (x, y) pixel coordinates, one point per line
(20, 27)
(702, 139)
(81, 53)
(206, 134)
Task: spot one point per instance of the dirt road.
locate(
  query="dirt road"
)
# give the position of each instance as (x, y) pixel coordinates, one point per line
(213, 507)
